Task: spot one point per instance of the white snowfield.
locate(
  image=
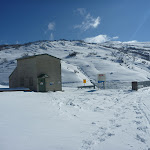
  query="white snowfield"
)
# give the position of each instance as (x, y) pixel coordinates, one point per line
(75, 120)
(79, 119)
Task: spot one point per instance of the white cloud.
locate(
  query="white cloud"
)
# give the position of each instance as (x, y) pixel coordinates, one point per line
(51, 36)
(134, 41)
(51, 26)
(88, 20)
(82, 11)
(96, 22)
(114, 38)
(100, 39)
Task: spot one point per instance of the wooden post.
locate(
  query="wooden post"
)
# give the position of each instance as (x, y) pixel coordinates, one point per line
(135, 85)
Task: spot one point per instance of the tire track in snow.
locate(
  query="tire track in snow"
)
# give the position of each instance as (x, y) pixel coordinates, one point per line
(142, 115)
(103, 133)
(127, 109)
(122, 107)
(144, 109)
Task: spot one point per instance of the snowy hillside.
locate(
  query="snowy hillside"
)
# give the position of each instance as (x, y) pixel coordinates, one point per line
(79, 119)
(119, 61)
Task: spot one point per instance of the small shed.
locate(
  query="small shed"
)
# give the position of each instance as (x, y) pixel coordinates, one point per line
(40, 73)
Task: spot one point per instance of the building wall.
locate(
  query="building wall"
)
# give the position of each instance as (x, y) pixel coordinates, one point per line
(27, 73)
(50, 66)
(13, 79)
(28, 70)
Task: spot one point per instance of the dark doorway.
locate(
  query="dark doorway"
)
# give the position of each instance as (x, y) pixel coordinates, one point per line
(41, 83)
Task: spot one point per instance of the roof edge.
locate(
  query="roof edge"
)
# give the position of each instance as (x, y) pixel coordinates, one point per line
(28, 57)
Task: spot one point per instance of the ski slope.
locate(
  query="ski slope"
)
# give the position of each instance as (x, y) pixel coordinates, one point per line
(89, 60)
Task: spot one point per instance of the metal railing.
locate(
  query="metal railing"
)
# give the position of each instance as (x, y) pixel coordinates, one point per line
(114, 85)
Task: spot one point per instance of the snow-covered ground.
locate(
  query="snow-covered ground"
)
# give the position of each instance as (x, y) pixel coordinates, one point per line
(79, 119)
(75, 120)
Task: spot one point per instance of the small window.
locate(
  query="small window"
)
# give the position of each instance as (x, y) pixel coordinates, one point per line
(30, 81)
(22, 82)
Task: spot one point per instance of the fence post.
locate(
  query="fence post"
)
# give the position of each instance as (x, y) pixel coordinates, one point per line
(135, 85)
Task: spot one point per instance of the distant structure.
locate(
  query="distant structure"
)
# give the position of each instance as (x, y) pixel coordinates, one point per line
(40, 73)
(101, 78)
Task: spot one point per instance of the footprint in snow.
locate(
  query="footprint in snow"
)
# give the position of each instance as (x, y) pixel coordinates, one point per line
(87, 144)
(143, 128)
(139, 117)
(139, 138)
(137, 122)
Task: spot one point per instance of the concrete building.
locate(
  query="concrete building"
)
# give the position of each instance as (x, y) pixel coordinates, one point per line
(39, 73)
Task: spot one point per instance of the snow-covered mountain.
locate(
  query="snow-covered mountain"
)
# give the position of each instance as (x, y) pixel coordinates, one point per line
(120, 61)
(79, 119)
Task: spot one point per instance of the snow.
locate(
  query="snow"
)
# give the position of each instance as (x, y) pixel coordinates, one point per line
(79, 119)
(90, 60)
(75, 119)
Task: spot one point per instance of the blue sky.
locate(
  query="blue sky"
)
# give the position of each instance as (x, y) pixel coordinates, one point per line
(24, 21)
